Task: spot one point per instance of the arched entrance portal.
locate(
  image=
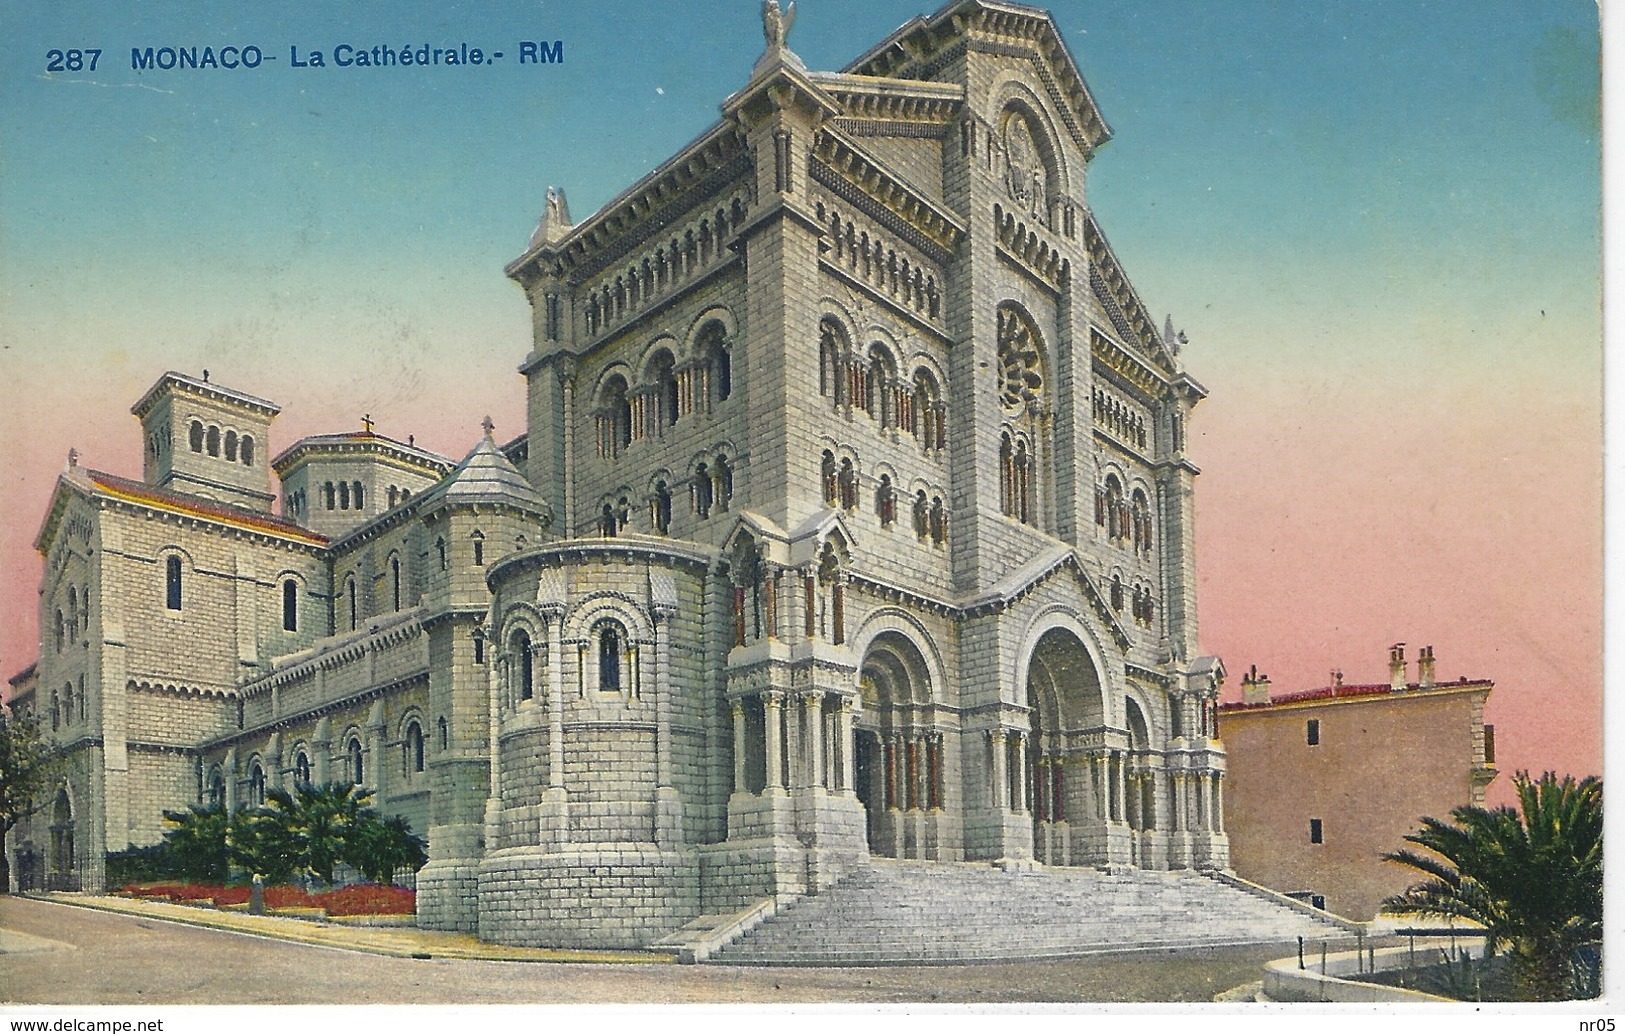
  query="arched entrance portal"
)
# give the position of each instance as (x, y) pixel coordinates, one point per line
(63, 874)
(899, 755)
(1073, 779)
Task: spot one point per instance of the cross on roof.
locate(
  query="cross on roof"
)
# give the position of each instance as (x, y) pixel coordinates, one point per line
(366, 422)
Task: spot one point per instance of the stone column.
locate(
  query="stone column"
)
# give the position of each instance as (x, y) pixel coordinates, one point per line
(555, 702)
(375, 747)
(230, 768)
(1001, 798)
(843, 745)
(1121, 784)
(738, 709)
(829, 729)
(321, 752)
(771, 702)
(811, 593)
(1218, 802)
(1097, 786)
(770, 597)
(1022, 802)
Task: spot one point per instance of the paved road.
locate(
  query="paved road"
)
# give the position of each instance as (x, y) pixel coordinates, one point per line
(104, 959)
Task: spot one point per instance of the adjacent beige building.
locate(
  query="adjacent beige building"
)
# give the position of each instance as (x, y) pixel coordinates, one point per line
(1323, 782)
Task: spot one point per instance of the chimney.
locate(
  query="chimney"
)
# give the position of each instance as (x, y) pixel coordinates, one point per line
(1255, 688)
(1424, 668)
(1396, 667)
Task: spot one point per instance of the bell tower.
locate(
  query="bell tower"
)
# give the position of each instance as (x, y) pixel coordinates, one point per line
(204, 440)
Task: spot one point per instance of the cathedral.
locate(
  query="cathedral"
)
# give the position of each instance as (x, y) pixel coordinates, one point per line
(853, 519)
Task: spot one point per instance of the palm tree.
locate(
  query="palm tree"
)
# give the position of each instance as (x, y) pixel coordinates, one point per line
(382, 847)
(1532, 878)
(320, 822)
(195, 843)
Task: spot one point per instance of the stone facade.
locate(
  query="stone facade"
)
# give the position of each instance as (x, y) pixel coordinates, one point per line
(1364, 763)
(853, 518)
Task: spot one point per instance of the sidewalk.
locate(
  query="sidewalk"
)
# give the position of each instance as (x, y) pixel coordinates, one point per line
(394, 941)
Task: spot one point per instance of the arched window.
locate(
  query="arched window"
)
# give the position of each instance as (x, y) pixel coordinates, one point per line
(723, 475)
(928, 416)
(524, 662)
(1117, 514)
(922, 515)
(246, 446)
(445, 735)
(395, 582)
(661, 509)
(702, 490)
(256, 784)
(479, 645)
(1117, 592)
(172, 583)
(62, 629)
(832, 361)
(214, 441)
(231, 446)
(939, 521)
(832, 488)
(394, 495)
(614, 417)
(290, 605)
(878, 386)
(606, 522)
(195, 436)
(847, 482)
(611, 641)
(344, 495)
(56, 711)
(886, 501)
(713, 350)
(355, 493)
(663, 378)
(349, 592)
(67, 703)
(217, 788)
(479, 548)
(327, 494)
(412, 745)
(440, 548)
(357, 771)
(301, 768)
(1140, 519)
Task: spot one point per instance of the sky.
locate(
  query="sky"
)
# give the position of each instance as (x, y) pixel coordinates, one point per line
(1377, 223)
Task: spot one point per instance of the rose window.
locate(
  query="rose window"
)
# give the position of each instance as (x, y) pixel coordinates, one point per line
(1021, 375)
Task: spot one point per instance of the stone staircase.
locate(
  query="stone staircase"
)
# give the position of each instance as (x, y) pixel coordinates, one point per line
(939, 912)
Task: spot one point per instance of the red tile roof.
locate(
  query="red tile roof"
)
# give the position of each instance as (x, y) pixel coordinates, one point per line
(140, 492)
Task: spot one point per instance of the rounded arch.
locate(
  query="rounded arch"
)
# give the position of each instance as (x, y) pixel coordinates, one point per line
(355, 755)
(1153, 712)
(1060, 668)
(894, 673)
(580, 621)
(256, 781)
(1012, 96)
(717, 314)
(300, 767)
(893, 625)
(412, 726)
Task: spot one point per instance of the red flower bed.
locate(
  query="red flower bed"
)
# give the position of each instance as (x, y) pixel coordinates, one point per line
(368, 899)
(357, 899)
